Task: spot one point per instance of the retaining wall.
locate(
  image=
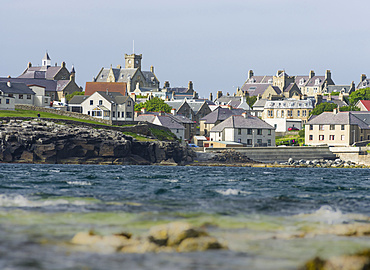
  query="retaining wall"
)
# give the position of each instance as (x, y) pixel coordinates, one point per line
(358, 155)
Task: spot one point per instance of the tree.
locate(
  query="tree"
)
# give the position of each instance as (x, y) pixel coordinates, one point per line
(349, 108)
(154, 105)
(324, 107)
(251, 100)
(76, 93)
(361, 94)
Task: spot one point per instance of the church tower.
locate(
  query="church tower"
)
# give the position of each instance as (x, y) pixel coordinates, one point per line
(46, 61)
(133, 61)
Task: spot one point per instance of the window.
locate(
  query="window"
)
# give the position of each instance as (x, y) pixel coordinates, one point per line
(7, 101)
(331, 137)
(269, 142)
(20, 96)
(311, 137)
(304, 113)
(259, 141)
(321, 127)
(177, 131)
(129, 103)
(91, 102)
(269, 132)
(299, 113)
(290, 113)
(342, 137)
(321, 137)
(332, 127)
(113, 114)
(100, 102)
(249, 131)
(282, 113)
(88, 113)
(129, 114)
(342, 127)
(0, 100)
(259, 131)
(118, 114)
(123, 114)
(239, 131)
(10, 95)
(239, 140)
(311, 127)
(249, 142)
(28, 96)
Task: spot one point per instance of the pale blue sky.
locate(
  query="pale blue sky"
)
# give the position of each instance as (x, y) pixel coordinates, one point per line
(212, 43)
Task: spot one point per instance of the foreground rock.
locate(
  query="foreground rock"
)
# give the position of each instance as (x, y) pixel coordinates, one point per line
(47, 142)
(359, 261)
(172, 237)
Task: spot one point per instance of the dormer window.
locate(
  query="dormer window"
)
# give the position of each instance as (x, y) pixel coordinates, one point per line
(252, 80)
(270, 81)
(301, 81)
(364, 83)
(317, 81)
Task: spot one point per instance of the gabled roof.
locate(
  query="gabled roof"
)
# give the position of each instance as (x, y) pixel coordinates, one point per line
(92, 87)
(120, 75)
(340, 118)
(276, 89)
(42, 72)
(365, 103)
(221, 114)
(196, 106)
(259, 79)
(239, 121)
(113, 97)
(15, 88)
(255, 89)
(77, 99)
(50, 85)
(312, 81)
(170, 123)
(61, 84)
(176, 104)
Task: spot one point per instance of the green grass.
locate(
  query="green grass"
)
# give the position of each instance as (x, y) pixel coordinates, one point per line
(162, 135)
(138, 137)
(30, 113)
(288, 140)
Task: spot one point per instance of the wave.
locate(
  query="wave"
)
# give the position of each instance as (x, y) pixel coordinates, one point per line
(79, 183)
(231, 191)
(326, 214)
(21, 201)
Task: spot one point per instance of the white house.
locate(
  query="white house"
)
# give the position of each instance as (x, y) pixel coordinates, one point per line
(109, 106)
(246, 129)
(41, 99)
(20, 93)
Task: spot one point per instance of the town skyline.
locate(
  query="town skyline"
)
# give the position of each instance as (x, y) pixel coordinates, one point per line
(214, 44)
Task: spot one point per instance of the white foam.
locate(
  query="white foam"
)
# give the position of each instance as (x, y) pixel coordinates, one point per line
(79, 183)
(326, 214)
(231, 191)
(173, 181)
(21, 201)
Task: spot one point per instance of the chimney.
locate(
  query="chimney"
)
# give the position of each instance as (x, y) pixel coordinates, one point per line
(72, 77)
(219, 94)
(279, 72)
(227, 94)
(9, 84)
(258, 96)
(318, 99)
(133, 96)
(119, 66)
(244, 114)
(312, 74)
(190, 85)
(363, 77)
(166, 84)
(173, 111)
(327, 74)
(9, 77)
(162, 113)
(229, 107)
(106, 91)
(329, 97)
(143, 110)
(341, 97)
(210, 97)
(63, 64)
(335, 111)
(152, 69)
(250, 74)
(29, 65)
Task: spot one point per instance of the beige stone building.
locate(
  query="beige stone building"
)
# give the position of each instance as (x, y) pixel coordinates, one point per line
(338, 128)
(132, 74)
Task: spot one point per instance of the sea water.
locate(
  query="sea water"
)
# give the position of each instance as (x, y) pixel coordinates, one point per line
(259, 213)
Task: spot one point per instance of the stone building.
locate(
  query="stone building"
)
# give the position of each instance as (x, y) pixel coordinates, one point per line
(57, 80)
(131, 74)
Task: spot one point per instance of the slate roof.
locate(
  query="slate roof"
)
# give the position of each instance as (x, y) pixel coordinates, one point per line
(15, 88)
(221, 114)
(340, 118)
(114, 97)
(277, 89)
(196, 106)
(41, 72)
(364, 116)
(288, 104)
(239, 121)
(312, 81)
(255, 89)
(77, 100)
(338, 88)
(335, 100)
(363, 84)
(177, 89)
(175, 104)
(260, 103)
(50, 85)
(120, 75)
(61, 84)
(165, 120)
(259, 79)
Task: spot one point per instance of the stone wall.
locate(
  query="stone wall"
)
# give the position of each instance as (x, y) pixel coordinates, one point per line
(358, 155)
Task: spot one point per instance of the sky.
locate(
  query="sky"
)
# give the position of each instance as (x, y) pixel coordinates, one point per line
(213, 43)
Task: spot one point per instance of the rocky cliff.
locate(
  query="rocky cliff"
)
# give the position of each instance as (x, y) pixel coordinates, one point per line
(38, 141)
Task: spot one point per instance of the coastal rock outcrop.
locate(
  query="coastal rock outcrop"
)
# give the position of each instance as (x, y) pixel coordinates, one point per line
(39, 141)
(172, 237)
